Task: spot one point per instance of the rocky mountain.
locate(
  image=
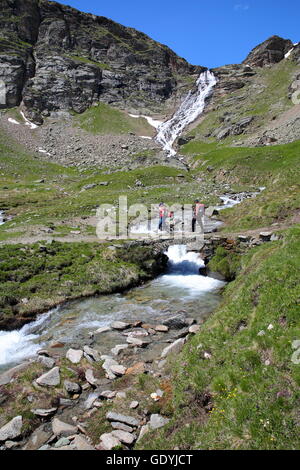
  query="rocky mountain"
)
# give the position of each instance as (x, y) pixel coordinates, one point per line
(54, 58)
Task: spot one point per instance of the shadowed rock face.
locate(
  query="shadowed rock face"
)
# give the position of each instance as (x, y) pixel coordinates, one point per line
(55, 58)
(269, 52)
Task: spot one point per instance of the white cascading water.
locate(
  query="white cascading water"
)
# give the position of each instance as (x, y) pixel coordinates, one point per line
(184, 272)
(21, 344)
(189, 110)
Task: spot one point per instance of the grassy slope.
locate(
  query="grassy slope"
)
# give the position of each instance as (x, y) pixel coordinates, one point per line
(60, 199)
(51, 274)
(265, 96)
(276, 167)
(105, 120)
(250, 380)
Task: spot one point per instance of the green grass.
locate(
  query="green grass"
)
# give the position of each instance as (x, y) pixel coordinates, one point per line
(103, 119)
(274, 167)
(250, 383)
(264, 96)
(50, 274)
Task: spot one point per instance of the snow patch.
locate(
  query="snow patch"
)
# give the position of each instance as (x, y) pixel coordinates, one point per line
(13, 121)
(28, 123)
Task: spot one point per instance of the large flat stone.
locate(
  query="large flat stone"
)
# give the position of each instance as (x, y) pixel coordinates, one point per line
(50, 379)
(12, 429)
(129, 420)
(173, 348)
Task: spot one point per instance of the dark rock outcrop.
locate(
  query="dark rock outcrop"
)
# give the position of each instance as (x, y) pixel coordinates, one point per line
(54, 58)
(269, 52)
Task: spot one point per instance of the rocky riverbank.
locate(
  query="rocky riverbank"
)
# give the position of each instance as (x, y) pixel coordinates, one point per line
(85, 400)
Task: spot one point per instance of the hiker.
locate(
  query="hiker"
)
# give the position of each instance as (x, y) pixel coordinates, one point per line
(162, 216)
(198, 213)
(172, 221)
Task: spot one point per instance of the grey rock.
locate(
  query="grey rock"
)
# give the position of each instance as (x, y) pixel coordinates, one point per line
(176, 321)
(121, 426)
(129, 420)
(59, 428)
(89, 375)
(38, 438)
(173, 348)
(50, 379)
(119, 325)
(74, 355)
(81, 443)
(48, 362)
(157, 421)
(92, 353)
(109, 441)
(63, 441)
(72, 387)
(118, 370)
(44, 412)
(8, 376)
(118, 348)
(12, 429)
(124, 437)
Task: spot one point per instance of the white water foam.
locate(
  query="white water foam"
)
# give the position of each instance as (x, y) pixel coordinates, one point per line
(184, 272)
(18, 345)
(189, 110)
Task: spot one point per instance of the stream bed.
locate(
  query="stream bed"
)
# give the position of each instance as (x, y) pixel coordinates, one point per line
(180, 290)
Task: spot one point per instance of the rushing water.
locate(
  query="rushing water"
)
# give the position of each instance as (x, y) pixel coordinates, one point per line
(1, 218)
(189, 110)
(180, 289)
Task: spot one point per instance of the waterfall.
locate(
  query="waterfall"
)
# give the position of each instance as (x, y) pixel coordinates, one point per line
(191, 108)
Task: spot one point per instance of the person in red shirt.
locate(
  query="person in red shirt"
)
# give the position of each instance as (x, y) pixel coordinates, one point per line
(162, 216)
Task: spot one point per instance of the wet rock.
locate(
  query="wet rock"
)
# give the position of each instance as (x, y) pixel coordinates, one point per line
(124, 437)
(74, 355)
(50, 379)
(116, 417)
(176, 322)
(173, 348)
(157, 421)
(101, 330)
(162, 328)
(12, 429)
(140, 343)
(119, 325)
(72, 387)
(59, 428)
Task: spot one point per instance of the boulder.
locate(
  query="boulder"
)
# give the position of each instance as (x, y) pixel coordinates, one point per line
(194, 329)
(59, 428)
(157, 421)
(118, 348)
(173, 348)
(50, 379)
(129, 420)
(140, 343)
(119, 325)
(162, 328)
(109, 441)
(72, 387)
(89, 375)
(38, 438)
(121, 426)
(124, 437)
(118, 370)
(74, 355)
(12, 429)
(176, 321)
(92, 354)
(44, 412)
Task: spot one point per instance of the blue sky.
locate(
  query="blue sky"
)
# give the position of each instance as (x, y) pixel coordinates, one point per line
(205, 32)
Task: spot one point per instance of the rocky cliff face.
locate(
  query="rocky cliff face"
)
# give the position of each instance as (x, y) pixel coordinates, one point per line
(269, 52)
(54, 58)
